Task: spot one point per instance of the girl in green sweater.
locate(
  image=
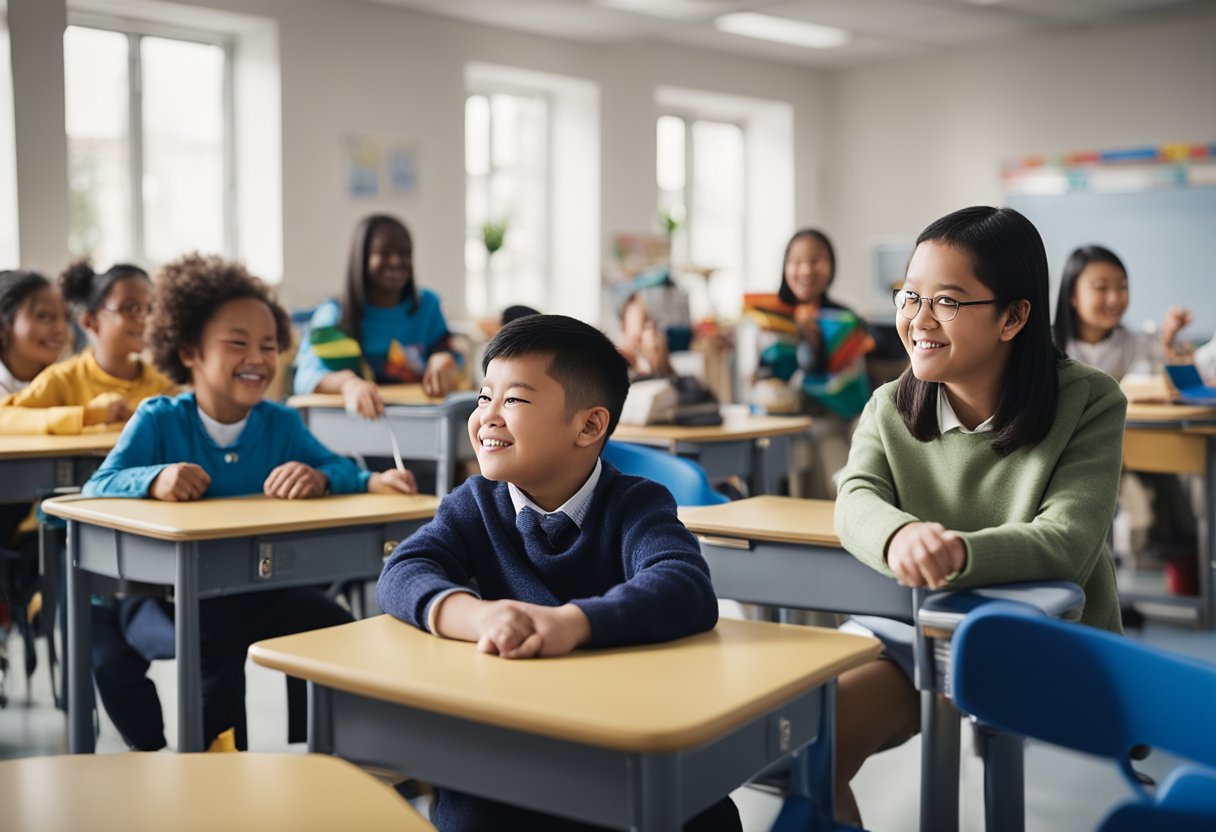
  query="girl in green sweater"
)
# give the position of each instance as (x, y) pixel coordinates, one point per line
(993, 459)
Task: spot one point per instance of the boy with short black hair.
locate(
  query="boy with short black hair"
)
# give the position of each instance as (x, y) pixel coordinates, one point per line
(564, 550)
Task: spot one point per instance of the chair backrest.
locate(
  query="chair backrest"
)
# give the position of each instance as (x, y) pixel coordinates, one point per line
(684, 478)
(1082, 688)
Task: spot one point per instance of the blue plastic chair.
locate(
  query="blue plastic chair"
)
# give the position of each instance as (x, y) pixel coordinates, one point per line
(1093, 691)
(685, 479)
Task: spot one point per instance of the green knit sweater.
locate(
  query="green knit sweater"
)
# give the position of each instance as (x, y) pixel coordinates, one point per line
(1040, 514)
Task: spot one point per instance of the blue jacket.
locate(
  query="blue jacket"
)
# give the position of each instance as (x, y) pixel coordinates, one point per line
(167, 430)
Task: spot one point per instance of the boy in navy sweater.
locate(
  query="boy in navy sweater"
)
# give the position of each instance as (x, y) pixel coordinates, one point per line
(564, 550)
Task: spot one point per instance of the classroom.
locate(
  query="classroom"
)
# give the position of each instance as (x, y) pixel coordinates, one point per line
(217, 217)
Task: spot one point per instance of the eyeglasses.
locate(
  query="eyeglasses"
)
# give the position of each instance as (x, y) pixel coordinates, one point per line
(131, 311)
(944, 309)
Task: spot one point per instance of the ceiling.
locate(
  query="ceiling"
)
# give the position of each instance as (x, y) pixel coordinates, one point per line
(882, 29)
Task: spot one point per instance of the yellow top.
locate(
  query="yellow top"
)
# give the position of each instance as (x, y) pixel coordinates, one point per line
(197, 793)
(391, 393)
(56, 400)
(733, 427)
(240, 516)
(651, 698)
(778, 519)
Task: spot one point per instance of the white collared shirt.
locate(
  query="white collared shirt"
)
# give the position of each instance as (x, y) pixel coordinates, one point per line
(947, 419)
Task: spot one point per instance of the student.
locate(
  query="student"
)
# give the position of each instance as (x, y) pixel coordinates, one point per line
(385, 331)
(105, 382)
(644, 347)
(993, 459)
(1089, 316)
(33, 328)
(824, 355)
(565, 550)
(218, 329)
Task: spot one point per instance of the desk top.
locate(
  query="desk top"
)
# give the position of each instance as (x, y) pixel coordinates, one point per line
(198, 793)
(86, 444)
(240, 516)
(652, 698)
(391, 393)
(776, 519)
(733, 427)
(1169, 413)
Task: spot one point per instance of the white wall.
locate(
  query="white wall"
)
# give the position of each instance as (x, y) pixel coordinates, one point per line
(913, 140)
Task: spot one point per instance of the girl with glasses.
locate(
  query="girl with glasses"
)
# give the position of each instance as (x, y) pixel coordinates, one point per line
(993, 459)
(105, 382)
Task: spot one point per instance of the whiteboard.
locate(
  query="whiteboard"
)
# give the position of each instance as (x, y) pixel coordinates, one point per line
(1165, 236)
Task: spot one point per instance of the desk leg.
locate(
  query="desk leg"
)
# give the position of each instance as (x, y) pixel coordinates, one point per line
(1004, 780)
(49, 568)
(939, 764)
(447, 457)
(320, 719)
(658, 794)
(186, 621)
(813, 770)
(1207, 542)
(762, 458)
(80, 657)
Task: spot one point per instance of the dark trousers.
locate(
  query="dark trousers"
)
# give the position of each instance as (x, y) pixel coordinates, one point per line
(454, 811)
(137, 630)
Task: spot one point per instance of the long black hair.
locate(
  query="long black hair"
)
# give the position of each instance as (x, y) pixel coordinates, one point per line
(354, 296)
(1065, 326)
(785, 294)
(1007, 257)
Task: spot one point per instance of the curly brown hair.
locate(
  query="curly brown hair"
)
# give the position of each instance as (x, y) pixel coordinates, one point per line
(187, 293)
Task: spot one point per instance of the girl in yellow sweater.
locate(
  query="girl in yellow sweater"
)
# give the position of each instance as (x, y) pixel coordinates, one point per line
(104, 384)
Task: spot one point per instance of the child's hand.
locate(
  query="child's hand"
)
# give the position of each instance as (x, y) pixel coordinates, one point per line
(653, 348)
(561, 629)
(295, 481)
(926, 554)
(362, 398)
(508, 629)
(806, 318)
(392, 482)
(107, 409)
(439, 378)
(1177, 318)
(179, 482)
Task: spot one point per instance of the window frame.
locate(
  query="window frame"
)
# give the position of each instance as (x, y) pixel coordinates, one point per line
(135, 31)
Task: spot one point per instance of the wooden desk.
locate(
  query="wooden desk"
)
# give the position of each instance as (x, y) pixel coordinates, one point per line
(743, 445)
(33, 466)
(432, 429)
(197, 793)
(1181, 439)
(632, 738)
(213, 547)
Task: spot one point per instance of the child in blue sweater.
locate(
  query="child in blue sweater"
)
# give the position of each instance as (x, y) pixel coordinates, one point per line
(216, 328)
(565, 551)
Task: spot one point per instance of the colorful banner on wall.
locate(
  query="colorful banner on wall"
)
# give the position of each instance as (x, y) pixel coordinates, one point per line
(1113, 171)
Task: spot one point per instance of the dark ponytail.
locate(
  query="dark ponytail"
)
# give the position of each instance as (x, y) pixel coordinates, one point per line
(86, 290)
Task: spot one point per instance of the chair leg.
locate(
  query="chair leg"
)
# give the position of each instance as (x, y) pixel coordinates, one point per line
(1004, 779)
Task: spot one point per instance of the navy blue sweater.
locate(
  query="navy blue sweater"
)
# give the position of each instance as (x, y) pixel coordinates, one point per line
(634, 570)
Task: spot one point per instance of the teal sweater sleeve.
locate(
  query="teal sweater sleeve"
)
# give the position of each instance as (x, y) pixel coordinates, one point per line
(134, 462)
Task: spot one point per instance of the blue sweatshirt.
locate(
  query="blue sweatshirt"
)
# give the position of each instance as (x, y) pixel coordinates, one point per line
(634, 570)
(167, 430)
(419, 332)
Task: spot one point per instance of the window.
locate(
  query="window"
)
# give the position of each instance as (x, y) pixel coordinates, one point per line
(149, 124)
(700, 165)
(9, 258)
(506, 201)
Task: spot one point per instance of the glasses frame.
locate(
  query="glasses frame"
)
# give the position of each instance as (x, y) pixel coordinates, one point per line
(131, 311)
(922, 299)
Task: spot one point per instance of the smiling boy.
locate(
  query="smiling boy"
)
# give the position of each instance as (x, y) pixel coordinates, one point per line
(564, 551)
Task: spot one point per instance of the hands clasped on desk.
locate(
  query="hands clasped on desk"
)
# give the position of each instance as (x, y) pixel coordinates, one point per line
(183, 481)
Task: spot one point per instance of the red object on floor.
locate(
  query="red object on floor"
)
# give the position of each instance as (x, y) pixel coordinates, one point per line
(1182, 576)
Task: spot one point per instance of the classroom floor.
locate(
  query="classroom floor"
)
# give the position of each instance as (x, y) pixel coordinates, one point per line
(1065, 792)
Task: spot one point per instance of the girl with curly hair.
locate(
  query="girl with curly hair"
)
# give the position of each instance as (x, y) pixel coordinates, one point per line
(106, 381)
(217, 328)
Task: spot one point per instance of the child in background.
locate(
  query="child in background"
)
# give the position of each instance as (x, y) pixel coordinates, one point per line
(385, 331)
(1088, 327)
(992, 460)
(106, 381)
(643, 345)
(822, 353)
(1089, 317)
(33, 328)
(217, 328)
(565, 551)
(33, 333)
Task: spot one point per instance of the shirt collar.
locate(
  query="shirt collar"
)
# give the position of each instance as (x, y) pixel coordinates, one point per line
(575, 508)
(947, 419)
